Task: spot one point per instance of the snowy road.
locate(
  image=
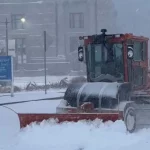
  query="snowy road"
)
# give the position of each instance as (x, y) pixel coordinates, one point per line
(46, 106)
(28, 96)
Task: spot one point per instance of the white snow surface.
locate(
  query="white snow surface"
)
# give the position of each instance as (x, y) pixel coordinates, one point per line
(46, 106)
(9, 121)
(49, 135)
(39, 80)
(9, 125)
(28, 96)
(79, 136)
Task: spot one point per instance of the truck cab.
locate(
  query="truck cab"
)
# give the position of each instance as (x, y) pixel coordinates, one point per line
(115, 58)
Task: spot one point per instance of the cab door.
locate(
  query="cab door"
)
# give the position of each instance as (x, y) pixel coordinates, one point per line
(137, 67)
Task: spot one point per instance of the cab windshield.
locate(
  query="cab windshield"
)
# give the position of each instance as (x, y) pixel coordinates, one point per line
(105, 60)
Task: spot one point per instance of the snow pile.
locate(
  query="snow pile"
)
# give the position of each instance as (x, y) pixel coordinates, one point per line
(9, 125)
(79, 136)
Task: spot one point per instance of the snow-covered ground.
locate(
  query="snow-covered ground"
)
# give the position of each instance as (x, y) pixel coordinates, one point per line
(66, 136)
(79, 136)
(48, 106)
(9, 124)
(29, 96)
(24, 81)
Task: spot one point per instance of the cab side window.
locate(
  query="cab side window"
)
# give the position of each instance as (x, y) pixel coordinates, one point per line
(140, 54)
(144, 51)
(139, 51)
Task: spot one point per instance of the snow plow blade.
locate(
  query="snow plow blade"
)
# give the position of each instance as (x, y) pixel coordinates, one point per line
(136, 116)
(101, 94)
(26, 119)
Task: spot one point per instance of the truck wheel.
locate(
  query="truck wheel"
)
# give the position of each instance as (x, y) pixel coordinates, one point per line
(130, 117)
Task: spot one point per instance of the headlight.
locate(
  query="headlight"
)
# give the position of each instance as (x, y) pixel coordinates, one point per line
(80, 54)
(130, 52)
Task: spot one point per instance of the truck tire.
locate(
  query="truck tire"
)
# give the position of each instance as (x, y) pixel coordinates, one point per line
(130, 117)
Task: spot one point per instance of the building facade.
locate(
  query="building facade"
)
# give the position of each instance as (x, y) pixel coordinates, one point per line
(64, 21)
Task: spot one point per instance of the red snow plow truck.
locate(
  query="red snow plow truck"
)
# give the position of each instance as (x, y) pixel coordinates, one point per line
(117, 84)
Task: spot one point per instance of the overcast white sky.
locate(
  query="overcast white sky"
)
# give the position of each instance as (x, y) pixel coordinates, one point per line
(134, 16)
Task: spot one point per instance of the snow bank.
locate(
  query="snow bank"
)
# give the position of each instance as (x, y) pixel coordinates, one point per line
(9, 125)
(80, 136)
(40, 80)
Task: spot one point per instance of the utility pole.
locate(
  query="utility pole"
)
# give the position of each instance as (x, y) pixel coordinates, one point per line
(56, 29)
(45, 48)
(6, 23)
(6, 40)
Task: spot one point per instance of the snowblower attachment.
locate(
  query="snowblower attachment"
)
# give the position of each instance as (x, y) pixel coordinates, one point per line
(86, 101)
(102, 95)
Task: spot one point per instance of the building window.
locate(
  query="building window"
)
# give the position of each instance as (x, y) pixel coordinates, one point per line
(16, 21)
(73, 44)
(20, 45)
(21, 50)
(76, 20)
